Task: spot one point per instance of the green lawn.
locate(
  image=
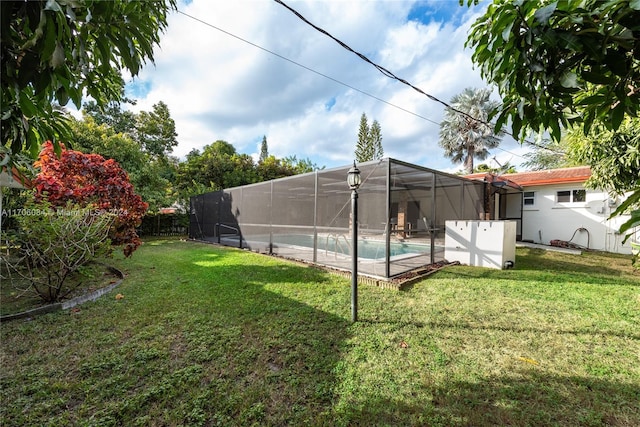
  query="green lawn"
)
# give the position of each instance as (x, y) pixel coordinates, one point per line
(215, 336)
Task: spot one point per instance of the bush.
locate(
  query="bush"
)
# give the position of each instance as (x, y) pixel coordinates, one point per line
(91, 181)
(52, 244)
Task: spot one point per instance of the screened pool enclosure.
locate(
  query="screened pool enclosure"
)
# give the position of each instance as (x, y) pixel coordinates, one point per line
(402, 209)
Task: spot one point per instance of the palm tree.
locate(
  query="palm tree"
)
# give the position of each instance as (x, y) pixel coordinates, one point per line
(464, 138)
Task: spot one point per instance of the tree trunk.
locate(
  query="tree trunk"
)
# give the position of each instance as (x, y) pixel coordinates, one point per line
(468, 162)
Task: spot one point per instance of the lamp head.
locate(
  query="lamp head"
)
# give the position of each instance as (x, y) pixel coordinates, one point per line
(353, 177)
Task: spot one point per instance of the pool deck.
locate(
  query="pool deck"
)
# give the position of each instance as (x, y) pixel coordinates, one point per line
(399, 264)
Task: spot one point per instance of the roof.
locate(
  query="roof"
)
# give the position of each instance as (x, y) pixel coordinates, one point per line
(577, 174)
(13, 180)
(495, 180)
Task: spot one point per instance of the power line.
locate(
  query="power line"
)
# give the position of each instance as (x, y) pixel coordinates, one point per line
(380, 68)
(390, 74)
(309, 69)
(336, 80)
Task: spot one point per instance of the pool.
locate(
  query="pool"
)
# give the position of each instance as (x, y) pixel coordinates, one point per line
(341, 244)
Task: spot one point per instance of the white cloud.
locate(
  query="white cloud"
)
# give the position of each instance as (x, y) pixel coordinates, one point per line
(219, 87)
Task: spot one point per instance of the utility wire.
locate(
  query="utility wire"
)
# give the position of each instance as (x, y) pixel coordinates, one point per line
(391, 75)
(380, 68)
(309, 69)
(338, 81)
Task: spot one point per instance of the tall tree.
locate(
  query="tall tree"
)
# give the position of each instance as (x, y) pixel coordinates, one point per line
(150, 177)
(506, 168)
(156, 131)
(369, 145)
(56, 51)
(264, 149)
(560, 63)
(375, 136)
(221, 148)
(363, 151)
(464, 138)
(299, 166)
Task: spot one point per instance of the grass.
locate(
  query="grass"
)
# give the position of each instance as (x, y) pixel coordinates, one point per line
(217, 336)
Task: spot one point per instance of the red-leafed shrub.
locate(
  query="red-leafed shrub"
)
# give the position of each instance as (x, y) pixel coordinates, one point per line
(91, 181)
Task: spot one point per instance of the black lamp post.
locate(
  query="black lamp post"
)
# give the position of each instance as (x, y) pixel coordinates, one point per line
(354, 180)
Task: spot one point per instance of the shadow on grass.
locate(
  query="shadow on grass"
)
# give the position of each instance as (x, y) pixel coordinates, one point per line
(207, 337)
(526, 398)
(212, 346)
(514, 329)
(267, 359)
(552, 271)
(594, 267)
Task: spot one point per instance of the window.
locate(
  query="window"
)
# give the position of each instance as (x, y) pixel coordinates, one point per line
(528, 198)
(563, 196)
(571, 196)
(579, 196)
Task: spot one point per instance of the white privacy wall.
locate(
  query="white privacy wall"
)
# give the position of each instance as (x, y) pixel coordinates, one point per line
(481, 243)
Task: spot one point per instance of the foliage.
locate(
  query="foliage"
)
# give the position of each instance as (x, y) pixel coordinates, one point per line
(506, 168)
(155, 135)
(369, 144)
(151, 177)
(223, 148)
(53, 243)
(549, 154)
(464, 138)
(155, 131)
(92, 137)
(111, 115)
(93, 182)
(217, 336)
(273, 168)
(165, 224)
(560, 63)
(220, 166)
(614, 157)
(299, 166)
(56, 51)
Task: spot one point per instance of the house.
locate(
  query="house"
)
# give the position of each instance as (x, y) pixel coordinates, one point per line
(554, 207)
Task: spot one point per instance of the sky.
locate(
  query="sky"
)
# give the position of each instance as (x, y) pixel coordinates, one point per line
(220, 82)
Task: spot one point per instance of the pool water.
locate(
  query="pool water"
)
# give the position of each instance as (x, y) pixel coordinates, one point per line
(369, 249)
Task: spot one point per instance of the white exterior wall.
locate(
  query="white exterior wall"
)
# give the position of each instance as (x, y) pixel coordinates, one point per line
(548, 220)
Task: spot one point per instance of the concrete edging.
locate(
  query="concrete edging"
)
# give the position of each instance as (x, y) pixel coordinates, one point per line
(91, 296)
